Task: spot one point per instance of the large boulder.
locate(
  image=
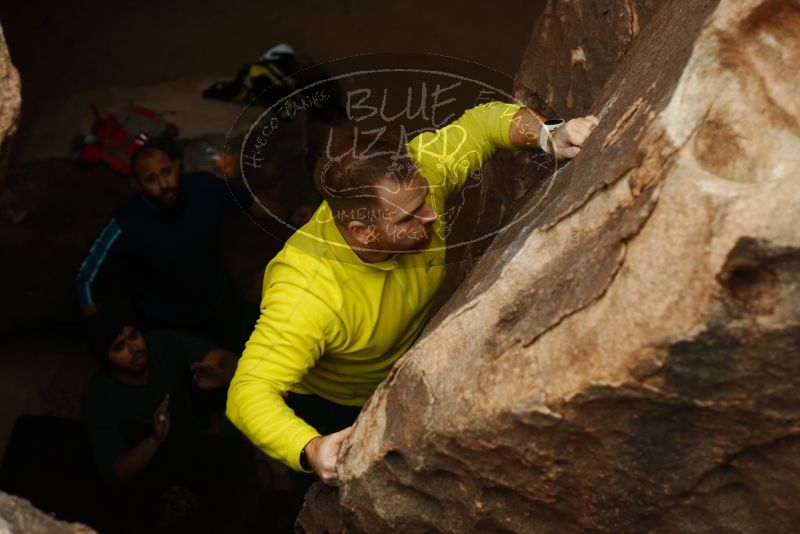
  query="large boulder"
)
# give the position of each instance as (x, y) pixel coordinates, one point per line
(18, 516)
(10, 103)
(626, 355)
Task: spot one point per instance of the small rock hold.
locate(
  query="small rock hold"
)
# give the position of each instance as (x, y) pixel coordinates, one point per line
(578, 57)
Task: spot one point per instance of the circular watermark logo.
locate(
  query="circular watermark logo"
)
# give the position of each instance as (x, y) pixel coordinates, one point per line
(395, 147)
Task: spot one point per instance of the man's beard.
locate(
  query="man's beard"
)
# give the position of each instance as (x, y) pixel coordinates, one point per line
(139, 371)
(416, 246)
(392, 247)
(170, 193)
(159, 203)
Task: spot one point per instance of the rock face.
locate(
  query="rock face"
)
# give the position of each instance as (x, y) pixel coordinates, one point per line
(626, 356)
(19, 516)
(10, 102)
(574, 49)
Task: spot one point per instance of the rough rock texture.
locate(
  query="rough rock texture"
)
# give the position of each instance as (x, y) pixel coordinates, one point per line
(574, 49)
(10, 102)
(18, 516)
(626, 357)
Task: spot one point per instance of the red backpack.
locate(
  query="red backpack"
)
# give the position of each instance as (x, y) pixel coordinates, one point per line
(117, 135)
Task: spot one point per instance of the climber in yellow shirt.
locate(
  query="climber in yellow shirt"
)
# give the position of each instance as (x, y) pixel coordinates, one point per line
(352, 289)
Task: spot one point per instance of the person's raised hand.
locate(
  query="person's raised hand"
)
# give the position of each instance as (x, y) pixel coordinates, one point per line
(161, 420)
(206, 375)
(567, 141)
(323, 452)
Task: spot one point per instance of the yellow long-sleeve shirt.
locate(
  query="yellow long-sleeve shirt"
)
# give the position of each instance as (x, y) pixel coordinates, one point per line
(333, 325)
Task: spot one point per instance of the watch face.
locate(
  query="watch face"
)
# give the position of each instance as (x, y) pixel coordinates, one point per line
(553, 122)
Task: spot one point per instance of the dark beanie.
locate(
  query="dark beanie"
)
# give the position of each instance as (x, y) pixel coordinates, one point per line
(101, 329)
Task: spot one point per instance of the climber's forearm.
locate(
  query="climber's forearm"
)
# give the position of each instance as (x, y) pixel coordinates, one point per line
(525, 129)
(131, 463)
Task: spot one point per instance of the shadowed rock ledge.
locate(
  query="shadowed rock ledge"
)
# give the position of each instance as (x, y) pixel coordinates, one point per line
(626, 355)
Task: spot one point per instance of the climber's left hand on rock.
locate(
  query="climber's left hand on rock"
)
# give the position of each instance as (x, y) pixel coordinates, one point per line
(570, 138)
(323, 453)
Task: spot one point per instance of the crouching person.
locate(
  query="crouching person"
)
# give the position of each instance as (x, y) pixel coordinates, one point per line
(149, 439)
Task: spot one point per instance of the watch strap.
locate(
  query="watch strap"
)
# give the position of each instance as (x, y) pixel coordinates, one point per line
(547, 127)
(304, 460)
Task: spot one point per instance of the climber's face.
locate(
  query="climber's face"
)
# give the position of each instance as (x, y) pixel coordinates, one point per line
(404, 223)
(128, 352)
(157, 176)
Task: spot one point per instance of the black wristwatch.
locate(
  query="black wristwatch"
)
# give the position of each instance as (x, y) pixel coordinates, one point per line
(304, 460)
